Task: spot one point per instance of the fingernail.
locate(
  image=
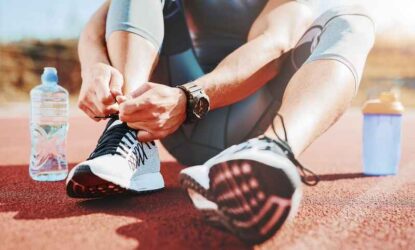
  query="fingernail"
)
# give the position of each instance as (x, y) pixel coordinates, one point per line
(138, 135)
(115, 92)
(121, 99)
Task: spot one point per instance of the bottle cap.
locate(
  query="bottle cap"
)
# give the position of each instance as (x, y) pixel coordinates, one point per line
(387, 103)
(50, 75)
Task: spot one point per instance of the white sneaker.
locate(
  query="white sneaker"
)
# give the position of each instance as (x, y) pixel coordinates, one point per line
(250, 188)
(118, 164)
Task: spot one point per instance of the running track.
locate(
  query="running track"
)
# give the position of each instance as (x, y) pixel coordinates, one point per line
(345, 211)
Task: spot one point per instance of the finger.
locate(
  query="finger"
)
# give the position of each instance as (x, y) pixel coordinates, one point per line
(90, 102)
(99, 108)
(102, 90)
(140, 90)
(141, 116)
(112, 109)
(92, 116)
(88, 112)
(145, 136)
(154, 124)
(139, 125)
(106, 109)
(87, 103)
(172, 126)
(131, 106)
(116, 83)
(120, 99)
(104, 97)
(107, 99)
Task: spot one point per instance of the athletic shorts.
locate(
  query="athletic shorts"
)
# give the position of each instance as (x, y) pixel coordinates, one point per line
(344, 34)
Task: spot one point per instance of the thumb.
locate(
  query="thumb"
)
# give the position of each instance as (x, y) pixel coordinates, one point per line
(120, 99)
(140, 90)
(145, 136)
(116, 83)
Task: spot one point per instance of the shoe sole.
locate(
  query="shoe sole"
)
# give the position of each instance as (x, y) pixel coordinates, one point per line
(253, 199)
(85, 184)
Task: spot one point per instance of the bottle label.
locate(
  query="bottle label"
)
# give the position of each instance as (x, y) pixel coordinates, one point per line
(48, 146)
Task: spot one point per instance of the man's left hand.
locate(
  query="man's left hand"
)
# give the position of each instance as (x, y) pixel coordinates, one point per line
(154, 109)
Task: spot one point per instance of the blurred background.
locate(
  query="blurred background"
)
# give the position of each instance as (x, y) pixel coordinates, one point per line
(38, 33)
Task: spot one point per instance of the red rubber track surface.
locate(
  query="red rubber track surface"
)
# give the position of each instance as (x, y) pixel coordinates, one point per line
(345, 211)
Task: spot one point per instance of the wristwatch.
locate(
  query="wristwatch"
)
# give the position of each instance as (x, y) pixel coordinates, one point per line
(198, 104)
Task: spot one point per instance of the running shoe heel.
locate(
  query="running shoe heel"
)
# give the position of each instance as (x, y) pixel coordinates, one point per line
(254, 198)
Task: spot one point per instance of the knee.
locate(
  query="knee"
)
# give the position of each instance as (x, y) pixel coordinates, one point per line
(355, 22)
(348, 36)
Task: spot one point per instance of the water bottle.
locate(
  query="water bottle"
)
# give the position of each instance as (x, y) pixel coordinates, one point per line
(382, 135)
(48, 129)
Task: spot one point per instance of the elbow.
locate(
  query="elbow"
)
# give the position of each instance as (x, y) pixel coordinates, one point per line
(283, 35)
(276, 45)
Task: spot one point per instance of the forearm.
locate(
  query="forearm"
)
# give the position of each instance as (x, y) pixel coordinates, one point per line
(134, 36)
(92, 47)
(277, 29)
(133, 56)
(242, 72)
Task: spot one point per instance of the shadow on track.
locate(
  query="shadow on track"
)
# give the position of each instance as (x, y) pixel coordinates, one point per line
(344, 176)
(165, 219)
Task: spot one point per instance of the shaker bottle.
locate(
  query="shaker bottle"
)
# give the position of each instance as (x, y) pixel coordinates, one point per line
(382, 135)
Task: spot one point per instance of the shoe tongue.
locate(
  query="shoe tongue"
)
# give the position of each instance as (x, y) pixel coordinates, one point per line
(108, 142)
(113, 123)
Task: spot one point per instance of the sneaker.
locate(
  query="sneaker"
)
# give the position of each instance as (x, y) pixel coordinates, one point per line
(118, 164)
(250, 188)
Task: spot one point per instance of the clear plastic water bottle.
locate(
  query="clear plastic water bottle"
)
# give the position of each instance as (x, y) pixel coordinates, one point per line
(48, 129)
(382, 135)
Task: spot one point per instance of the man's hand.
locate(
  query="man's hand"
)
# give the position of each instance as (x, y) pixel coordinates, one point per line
(101, 84)
(155, 110)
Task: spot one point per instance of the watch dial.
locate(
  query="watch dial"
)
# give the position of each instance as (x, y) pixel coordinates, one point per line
(201, 107)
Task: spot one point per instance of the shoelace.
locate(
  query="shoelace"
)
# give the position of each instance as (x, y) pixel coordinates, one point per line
(109, 142)
(306, 174)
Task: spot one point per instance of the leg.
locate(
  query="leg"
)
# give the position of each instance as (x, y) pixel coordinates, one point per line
(133, 41)
(253, 187)
(322, 89)
(133, 56)
(315, 97)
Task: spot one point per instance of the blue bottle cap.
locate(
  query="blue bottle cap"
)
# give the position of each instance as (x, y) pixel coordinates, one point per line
(50, 75)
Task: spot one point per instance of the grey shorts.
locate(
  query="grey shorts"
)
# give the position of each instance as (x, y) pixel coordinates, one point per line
(344, 34)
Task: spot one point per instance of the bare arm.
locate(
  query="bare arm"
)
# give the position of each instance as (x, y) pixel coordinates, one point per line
(92, 48)
(100, 81)
(276, 31)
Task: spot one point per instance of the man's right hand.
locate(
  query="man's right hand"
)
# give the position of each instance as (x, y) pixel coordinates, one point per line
(101, 83)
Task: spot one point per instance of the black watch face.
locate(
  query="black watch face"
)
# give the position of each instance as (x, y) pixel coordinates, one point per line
(201, 108)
